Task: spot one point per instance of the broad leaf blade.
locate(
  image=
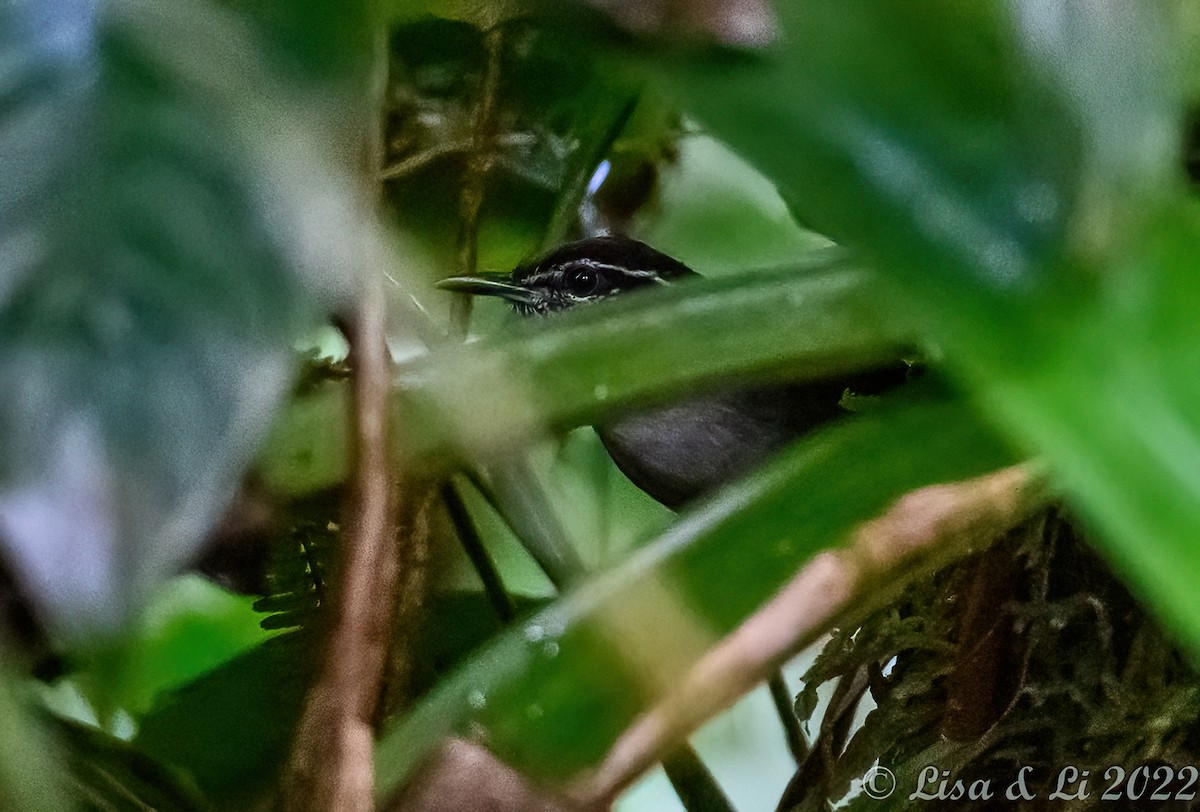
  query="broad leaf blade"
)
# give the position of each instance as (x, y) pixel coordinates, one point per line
(820, 317)
(554, 693)
(155, 270)
(1014, 166)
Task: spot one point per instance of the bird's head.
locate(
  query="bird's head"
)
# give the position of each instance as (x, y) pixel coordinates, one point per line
(579, 272)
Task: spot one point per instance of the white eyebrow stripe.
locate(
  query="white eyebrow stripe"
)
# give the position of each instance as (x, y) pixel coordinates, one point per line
(622, 269)
(542, 276)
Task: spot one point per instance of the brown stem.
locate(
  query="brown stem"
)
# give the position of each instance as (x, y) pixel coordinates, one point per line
(980, 685)
(414, 550)
(331, 765)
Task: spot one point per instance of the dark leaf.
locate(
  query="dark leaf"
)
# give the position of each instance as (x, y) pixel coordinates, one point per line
(160, 255)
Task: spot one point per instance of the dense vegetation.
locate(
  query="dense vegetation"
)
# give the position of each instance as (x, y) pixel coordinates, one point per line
(271, 501)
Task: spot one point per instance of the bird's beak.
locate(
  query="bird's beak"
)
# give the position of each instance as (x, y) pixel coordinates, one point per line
(498, 285)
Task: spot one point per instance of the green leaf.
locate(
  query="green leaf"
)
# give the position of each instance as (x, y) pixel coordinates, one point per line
(111, 774)
(160, 254)
(189, 627)
(598, 360)
(459, 623)
(327, 41)
(230, 729)
(820, 316)
(716, 214)
(1015, 168)
(553, 693)
(968, 142)
(31, 771)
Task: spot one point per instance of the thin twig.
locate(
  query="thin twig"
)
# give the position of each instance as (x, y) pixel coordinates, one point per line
(412, 163)
(479, 165)
(314, 571)
(417, 161)
(481, 560)
(786, 709)
(481, 157)
(413, 549)
(813, 775)
(696, 787)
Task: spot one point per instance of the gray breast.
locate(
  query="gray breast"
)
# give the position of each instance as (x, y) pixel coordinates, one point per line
(681, 452)
(687, 450)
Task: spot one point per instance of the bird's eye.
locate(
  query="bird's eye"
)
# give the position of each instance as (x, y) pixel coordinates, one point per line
(582, 282)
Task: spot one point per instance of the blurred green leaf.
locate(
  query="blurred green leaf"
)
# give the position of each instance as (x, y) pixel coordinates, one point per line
(108, 773)
(317, 40)
(598, 360)
(160, 254)
(666, 343)
(553, 693)
(1015, 166)
(459, 623)
(308, 449)
(718, 215)
(977, 141)
(190, 626)
(229, 729)
(31, 771)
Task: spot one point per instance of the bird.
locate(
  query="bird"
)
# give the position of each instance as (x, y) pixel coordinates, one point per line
(680, 452)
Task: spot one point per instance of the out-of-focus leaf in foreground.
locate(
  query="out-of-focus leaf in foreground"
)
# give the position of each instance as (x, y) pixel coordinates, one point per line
(599, 360)
(1015, 167)
(30, 774)
(552, 694)
(164, 220)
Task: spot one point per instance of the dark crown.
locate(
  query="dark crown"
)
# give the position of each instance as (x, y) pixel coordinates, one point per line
(592, 269)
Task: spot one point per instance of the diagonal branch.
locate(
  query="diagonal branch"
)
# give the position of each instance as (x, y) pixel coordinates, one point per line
(934, 522)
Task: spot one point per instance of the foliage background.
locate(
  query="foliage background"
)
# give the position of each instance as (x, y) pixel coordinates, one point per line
(191, 191)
